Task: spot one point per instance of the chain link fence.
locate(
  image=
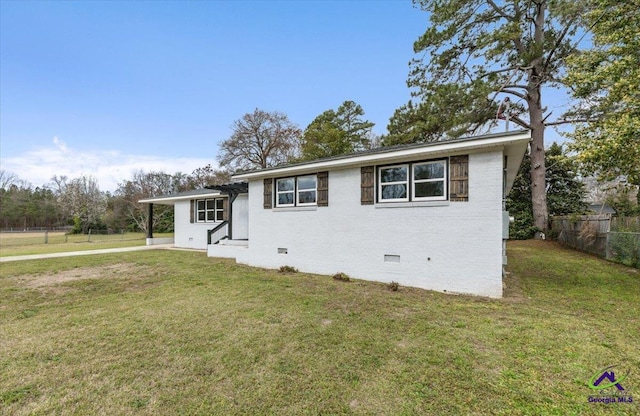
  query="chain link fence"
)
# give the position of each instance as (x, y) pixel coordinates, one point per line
(10, 238)
(624, 247)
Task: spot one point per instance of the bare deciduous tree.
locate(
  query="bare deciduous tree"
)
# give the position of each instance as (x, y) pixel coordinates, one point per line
(81, 199)
(260, 139)
(147, 185)
(205, 176)
(7, 179)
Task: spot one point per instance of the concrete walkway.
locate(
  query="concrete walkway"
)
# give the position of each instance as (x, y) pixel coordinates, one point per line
(84, 253)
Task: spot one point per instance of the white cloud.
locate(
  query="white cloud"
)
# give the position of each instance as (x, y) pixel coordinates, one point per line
(109, 167)
(62, 146)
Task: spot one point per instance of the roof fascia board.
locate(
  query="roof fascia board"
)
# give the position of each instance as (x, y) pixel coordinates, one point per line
(169, 200)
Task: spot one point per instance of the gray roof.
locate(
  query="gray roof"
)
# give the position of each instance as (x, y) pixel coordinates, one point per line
(193, 192)
(386, 149)
(600, 208)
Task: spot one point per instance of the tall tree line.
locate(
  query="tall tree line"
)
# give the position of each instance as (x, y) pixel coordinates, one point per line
(79, 204)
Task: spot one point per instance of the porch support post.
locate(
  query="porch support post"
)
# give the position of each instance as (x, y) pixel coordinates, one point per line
(150, 221)
(232, 197)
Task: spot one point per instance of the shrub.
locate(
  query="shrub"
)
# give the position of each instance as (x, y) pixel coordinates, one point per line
(288, 269)
(393, 286)
(341, 276)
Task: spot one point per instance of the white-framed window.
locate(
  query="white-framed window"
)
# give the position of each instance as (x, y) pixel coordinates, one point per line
(418, 181)
(285, 192)
(429, 181)
(307, 190)
(297, 191)
(393, 184)
(209, 210)
(219, 209)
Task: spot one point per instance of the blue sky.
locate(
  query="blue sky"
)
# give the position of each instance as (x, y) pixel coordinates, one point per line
(106, 88)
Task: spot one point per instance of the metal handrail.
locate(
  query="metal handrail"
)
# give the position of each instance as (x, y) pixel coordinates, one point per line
(213, 231)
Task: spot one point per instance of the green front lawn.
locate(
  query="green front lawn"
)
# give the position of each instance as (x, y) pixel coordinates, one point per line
(173, 332)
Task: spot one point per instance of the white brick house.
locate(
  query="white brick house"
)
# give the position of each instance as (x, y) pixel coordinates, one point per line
(189, 232)
(428, 216)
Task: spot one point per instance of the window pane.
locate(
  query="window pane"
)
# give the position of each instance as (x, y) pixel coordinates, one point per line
(201, 216)
(210, 215)
(219, 203)
(307, 182)
(219, 216)
(307, 197)
(285, 199)
(429, 171)
(397, 174)
(285, 184)
(394, 191)
(426, 189)
(210, 203)
(201, 205)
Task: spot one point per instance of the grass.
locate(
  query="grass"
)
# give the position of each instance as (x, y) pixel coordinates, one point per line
(168, 332)
(17, 244)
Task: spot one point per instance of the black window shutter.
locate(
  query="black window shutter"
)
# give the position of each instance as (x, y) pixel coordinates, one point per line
(367, 185)
(192, 211)
(268, 193)
(323, 189)
(459, 178)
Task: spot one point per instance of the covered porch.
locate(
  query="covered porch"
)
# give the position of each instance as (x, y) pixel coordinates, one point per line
(230, 238)
(192, 217)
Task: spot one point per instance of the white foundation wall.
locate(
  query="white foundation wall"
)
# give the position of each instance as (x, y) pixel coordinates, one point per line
(187, 234)
(456, 247)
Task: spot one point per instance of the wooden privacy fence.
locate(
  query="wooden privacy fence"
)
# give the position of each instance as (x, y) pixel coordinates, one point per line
(593, 234)
(584, 232)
